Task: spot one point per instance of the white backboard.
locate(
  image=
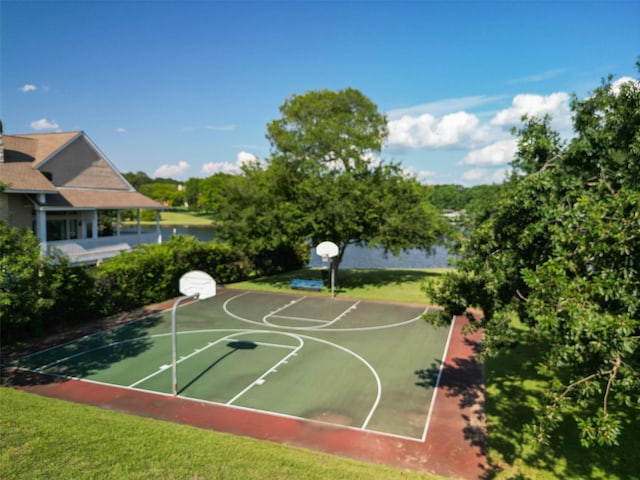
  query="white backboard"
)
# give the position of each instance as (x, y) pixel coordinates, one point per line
(327, 249)
(198, 282)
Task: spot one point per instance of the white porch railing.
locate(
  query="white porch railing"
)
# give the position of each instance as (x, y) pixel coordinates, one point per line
(92, 250)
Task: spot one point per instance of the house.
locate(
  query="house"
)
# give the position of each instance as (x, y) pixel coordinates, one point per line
(60, 185)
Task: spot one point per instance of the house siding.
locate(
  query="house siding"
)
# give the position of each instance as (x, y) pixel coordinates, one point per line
(21, 210)
(79, 165)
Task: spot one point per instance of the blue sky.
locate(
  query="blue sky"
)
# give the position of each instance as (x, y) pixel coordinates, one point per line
(186, 88)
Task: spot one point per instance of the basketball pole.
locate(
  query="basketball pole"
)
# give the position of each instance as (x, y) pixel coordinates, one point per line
(174, 334)
(333, 276)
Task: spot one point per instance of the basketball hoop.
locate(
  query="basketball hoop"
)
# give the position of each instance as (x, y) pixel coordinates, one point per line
(194, 285)
(327, 251)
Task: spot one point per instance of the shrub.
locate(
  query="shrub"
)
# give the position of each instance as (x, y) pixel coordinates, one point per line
(25, 293)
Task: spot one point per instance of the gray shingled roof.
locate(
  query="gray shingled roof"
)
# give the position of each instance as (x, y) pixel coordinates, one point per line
(100, 199)
(37, 146)
(24, 153)
(22, 178)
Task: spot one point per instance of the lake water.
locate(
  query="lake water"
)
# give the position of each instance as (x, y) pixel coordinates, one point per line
(354, 257)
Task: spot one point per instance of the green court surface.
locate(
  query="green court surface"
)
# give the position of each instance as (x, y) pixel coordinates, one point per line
(355, 363)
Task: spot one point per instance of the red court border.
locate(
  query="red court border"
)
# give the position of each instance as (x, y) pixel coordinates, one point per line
(455, 445)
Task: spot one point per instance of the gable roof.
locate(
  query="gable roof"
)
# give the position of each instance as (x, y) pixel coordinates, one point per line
(35, 147)
(22, 178)
(98, 199)
(101, 187)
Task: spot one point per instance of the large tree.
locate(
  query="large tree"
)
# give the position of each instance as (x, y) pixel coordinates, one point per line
(561, 252)
(329, 143)
(323, 181)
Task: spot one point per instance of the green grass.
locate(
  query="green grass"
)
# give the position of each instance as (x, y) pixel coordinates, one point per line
(183, 218)
(178, 218)
(45, 438)
(509, 407)
(512, 386)
(393, 285)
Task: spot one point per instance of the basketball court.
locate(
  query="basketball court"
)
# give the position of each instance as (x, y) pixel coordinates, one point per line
(358, 374)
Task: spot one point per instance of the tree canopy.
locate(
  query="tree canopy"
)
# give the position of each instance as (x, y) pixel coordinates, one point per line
(560, 252)
(323, 182)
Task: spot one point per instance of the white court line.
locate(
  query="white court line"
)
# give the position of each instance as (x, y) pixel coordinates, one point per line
(313, 320)
(352, 307)
(182, 359)
(200, 350)
(225, 307)
(260, 380)
(237, 407)
(239, 332)
(61, 360)
(284, 307)
(313, 328)
(275, 345)
(335, 345)
(325, 323)
(435, 388)
(95, 334)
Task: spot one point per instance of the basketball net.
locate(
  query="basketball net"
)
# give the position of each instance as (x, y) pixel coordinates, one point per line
(325, 258)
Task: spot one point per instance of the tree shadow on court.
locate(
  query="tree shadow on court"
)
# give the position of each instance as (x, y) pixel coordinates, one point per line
(462, 380)
(234, 346)
(90, 354)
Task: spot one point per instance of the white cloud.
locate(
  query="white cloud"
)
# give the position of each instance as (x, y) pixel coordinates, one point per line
(27, 87)
(555, 104)
(212, 168)
(172, 171)
(615, 86)
(423, 176)
(454, 130)
(539, 77)
(443, 107)
(475, 174)
(44, 124)
(498, 153)
(121, 130)
(243, 158)
(417, 129)
(481, 175)
(500, 175)
(221, 128)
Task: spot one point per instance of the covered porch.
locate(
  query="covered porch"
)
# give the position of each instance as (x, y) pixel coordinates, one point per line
(88, 228)
(86, 246)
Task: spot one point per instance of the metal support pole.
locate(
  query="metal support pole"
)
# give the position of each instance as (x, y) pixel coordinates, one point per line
(174, 333)
(333, 277)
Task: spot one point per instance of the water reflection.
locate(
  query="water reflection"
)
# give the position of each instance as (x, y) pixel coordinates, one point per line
(355, 256)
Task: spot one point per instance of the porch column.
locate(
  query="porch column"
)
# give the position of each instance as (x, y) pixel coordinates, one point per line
(41, 230)
(94, 225)
(118, 223)
(158, 231)
(139, 225)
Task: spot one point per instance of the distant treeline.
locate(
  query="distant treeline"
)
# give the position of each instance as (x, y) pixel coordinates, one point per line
(201, 194)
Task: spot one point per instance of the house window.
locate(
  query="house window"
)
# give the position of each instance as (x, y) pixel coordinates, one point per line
(73, 229)
(56, 230)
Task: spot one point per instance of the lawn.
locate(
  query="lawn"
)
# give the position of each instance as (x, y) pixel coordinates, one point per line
(45, 438)
(391, 285)
(512, 385)
(183, 218)
(170, 218)
(40, 441)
